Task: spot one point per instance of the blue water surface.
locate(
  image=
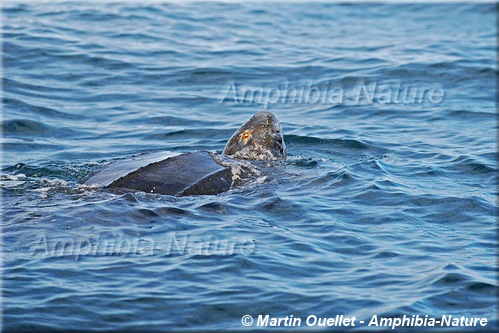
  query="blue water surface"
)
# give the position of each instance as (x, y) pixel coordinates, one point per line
(386, 204)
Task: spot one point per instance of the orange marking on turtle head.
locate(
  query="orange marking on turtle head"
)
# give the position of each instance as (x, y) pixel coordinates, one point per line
(245, 136)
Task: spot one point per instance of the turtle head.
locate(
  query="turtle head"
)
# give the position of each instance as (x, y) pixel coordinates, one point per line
(260, 138)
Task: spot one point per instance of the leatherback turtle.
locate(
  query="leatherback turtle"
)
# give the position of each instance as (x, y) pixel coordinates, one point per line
(201, 172)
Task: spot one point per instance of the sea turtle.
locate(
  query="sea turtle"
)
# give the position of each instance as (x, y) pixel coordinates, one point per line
(201, 172)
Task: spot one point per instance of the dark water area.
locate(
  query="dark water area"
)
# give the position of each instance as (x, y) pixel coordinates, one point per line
(386, 204)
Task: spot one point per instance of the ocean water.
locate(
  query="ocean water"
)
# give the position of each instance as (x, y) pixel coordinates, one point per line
(385, 206)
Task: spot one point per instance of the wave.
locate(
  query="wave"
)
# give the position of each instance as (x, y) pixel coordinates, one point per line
(314, 142)
(25, 128)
